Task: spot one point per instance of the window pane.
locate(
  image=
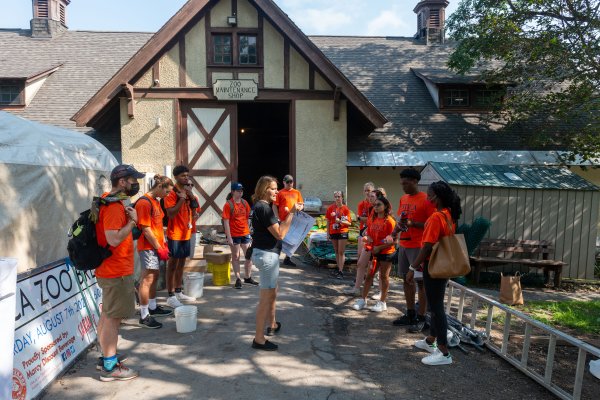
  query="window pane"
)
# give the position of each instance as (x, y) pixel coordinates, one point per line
(10, 94)
(248, 49)
(456, 98)
(222, 49)
(487, 97)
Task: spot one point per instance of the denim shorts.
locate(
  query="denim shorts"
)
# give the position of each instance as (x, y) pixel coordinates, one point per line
(149, 259)
(179, 248)
(241, 239)
(267, 263)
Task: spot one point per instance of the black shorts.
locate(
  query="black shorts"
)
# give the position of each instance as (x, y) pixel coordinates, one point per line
(385, 257)
(338, 236)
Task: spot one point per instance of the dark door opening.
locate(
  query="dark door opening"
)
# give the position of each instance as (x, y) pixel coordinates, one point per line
(263, 142)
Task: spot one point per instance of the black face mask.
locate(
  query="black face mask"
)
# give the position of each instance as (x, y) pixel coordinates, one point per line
(133, 190)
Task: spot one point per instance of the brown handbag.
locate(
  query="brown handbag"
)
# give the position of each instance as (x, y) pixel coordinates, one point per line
(449, 257)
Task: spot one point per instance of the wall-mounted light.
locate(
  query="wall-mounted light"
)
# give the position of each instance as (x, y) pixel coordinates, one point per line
(242, 131)
(158, 122)
(232, 20)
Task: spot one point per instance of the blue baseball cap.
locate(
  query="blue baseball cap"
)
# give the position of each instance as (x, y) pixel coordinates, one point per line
(236, 186)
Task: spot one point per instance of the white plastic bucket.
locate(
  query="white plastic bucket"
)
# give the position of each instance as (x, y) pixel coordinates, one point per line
(185, 319)
(193, 284)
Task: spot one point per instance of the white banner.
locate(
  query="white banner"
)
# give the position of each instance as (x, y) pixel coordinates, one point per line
(8, 288)
(55, 321)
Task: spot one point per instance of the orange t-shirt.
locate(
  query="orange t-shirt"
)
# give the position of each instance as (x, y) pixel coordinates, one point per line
(238, 222)
(149, 214)
(342, 213)
(180, 227)
(379, 229)
(418, 209)
(287, 198)
(112, 217)
(437, 227)
(364, 209)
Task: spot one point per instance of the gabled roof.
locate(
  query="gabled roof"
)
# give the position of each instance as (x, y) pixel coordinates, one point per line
(87, 60)
(183, 17)
(511, 176)
(28, 71)
(380, 67)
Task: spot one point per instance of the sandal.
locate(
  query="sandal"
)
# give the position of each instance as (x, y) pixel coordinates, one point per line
(267, 346)
(273, 331)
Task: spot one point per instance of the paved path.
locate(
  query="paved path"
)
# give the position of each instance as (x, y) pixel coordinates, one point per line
(327, 351)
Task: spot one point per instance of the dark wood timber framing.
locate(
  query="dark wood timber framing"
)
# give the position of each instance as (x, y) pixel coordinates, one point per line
(311, 77)
(286, 64)
(207, 94)
(292, 137)
(336, 103)
(179, 132)
(156, 74)
(182, 67)
(192, 11)
(130, 93)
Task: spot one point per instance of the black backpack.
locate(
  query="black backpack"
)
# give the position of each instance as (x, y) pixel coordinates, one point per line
(165, 216)
(232, 208)
(84, 251)
(136, 232)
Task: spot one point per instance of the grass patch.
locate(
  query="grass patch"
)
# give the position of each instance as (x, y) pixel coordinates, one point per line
(583, 316)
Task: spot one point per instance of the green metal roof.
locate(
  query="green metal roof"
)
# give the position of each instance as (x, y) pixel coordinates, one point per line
(511, 176)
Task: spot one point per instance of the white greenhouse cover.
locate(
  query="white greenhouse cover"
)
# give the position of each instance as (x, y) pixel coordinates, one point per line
(48, 175)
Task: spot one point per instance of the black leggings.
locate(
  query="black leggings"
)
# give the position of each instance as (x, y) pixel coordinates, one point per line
(435, 290)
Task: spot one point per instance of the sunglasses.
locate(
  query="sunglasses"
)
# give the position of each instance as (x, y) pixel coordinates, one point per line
(289, 181)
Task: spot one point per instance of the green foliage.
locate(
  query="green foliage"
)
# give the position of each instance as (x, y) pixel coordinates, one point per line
(583, 316)
(548, 52)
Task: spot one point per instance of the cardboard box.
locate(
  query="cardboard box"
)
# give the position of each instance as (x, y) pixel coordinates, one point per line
(217, 258)
(195, 266)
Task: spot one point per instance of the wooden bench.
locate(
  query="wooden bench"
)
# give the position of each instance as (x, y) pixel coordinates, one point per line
(523, 252)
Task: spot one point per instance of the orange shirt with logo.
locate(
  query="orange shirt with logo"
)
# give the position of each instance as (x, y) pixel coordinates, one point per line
(417, 209)
(378, 229)
(112, 217)
(149, 214)
(437, 227)
(238, 219)
(180, 227)
(364, 209)
(287, 198)
(342, 213)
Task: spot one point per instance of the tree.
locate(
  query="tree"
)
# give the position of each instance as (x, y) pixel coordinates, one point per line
(548, 52)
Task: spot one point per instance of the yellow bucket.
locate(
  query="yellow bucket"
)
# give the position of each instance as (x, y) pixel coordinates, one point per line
(221, 273)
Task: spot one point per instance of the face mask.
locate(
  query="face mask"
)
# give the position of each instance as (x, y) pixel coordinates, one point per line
(133, 190)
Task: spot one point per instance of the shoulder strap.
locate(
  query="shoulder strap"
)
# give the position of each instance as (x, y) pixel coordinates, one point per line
(448, 222)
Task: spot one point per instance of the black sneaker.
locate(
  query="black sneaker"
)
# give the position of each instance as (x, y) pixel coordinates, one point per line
(238, 283)
(100, 363)
(404, 320)
(149, 322)
(339, 275)
(267, 346)
(250, 281)
(160, 312)
(288, 261)
(419, 326)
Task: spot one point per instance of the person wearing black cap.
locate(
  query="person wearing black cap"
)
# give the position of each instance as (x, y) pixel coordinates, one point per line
(236, 212)
(115, 274)
(286, 198)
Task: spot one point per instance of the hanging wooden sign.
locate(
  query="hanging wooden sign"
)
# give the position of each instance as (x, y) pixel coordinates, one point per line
(235, 89)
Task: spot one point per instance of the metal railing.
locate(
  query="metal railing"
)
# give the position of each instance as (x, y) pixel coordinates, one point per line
(521, 364)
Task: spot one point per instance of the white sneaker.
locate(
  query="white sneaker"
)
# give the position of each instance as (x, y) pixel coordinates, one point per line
(423, 345)
(379, 306)
(360, 304)
(182, 297)
(352, 291)
(376, 296)
(437, 358)
(173, 302)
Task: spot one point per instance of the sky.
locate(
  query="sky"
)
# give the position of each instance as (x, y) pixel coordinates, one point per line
(314, 17)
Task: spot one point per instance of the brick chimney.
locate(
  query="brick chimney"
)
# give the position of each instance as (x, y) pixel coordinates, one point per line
(49, 18)
(431, 17)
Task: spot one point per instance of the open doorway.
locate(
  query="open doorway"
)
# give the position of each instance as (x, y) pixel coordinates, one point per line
(263, 142)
